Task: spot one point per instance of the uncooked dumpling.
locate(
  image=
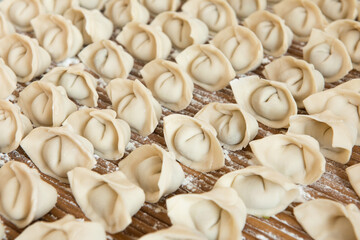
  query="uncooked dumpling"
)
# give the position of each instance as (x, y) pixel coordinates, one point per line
(59, 6)
(338, 9)
(57, 150)
(154, 170)
(175, 232)
(353, 173)
(264, 191)
(92, 4)
(7, 80)
(301, 78)
(194, 142)
(108, 135)
(328, 55)
(270, 102)
(235, 128)
(326, 219)
(24, 196)
(6, 27)
(241, 47)
(218, 214)
(295, 156)
(159, 6)
(169, 84)
(244, 8)
(109, 199)
(135, 104)
(207, 65)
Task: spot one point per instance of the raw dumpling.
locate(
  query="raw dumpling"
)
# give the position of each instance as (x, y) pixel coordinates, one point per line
(45, 104)
(57, 150)
(338, 9)
(7, 80)
(107, 59)
(109, 199)
(24, 56)
(6, 28)
(92, 4)
(293, 155)
(194, 142)
(328, 55)
(241, 47)
(13, 126)
(235, 128)
(353, 173)
(59, 6)
(135, 104)
(92, 24)
(207, 65)
(120, 12)
(300, 77)
(67, 228)
(216, 14)
(169, 84)
(348, 31)
(326, 219)
(154, 170)
(159, 6)
(24, 196)
(218, 214)
(182, 29)
(301, 16)
(21, 12)
(79, 84)
(57, 35)
(335, 136)
(270, 102)
(175, 232)
(144, 42)
(244, 8)
(264, 191)
(108, 135)
(271, 30)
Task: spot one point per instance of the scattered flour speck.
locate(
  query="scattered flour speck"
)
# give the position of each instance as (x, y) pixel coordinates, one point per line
(68, 62)
(130, 147)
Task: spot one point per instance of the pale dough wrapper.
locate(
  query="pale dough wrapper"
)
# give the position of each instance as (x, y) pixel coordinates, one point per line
(216, 14)
(7, 80)
(207, 65)
(159, 6)
(218, 214)
(21, 12)
(194, 142)
(134, 103)
(45, 104)
(13, 126)
(108, 135)
(66, 228)
(120, 12)
(241, 46)
(335, 136)
(24, 56)
(301, 78)
(348, 31)
(293, 155)
(244, 8)
(182, 29)
(301, 16)
(270, 102)
(59, 6)
(271, 30)
(353, 173)
(154, 170)
(57, 150)
(326, 219)
(79, 84)
(109, 199)
(328, 55)
(92, 4)
(107, 59)
(175, 232)
(57, 35)
(235, 128)
(6, 27)
(24, 196)
(92, 24)
(338, 9)
(264, 191)
(144, 42)
(169, 84)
